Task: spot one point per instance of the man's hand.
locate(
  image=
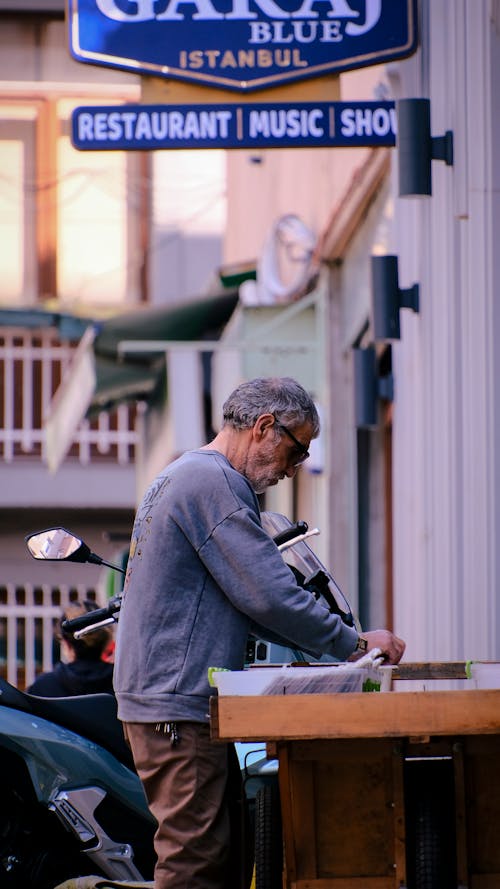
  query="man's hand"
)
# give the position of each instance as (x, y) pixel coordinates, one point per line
(391, 646)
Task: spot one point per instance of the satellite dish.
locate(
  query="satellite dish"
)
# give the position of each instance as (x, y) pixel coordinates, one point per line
(287, 263)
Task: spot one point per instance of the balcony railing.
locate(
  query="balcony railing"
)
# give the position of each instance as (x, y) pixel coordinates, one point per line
(32, 364)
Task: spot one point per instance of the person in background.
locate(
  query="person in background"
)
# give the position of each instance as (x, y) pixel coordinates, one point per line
(202, 575)
(83, 668)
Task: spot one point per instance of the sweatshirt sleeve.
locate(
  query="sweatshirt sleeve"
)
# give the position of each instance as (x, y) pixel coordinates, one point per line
(248, 568)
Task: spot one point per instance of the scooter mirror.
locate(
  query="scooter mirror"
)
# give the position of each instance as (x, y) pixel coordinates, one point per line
(57, 544)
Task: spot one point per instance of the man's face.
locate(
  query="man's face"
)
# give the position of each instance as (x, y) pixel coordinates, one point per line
(276, 456)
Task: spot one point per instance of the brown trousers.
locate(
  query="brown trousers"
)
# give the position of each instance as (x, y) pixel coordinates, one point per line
(186, 788)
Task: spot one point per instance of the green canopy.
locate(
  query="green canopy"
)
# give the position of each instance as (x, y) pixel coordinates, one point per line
(183, 321)
(132, 377)
(135, 376)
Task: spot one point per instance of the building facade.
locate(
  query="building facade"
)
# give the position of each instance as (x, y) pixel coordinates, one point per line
(406, 501)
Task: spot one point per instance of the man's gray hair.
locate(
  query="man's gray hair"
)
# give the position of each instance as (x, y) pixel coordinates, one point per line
(283, 397)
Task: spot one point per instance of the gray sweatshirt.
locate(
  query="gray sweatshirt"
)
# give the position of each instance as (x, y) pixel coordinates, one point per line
(202, 575)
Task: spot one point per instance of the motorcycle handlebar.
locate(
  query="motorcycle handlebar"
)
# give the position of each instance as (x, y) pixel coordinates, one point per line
(92, 617)
(295, 530)
(102, 616)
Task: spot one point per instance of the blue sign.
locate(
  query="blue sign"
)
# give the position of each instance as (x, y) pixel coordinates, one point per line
(241, 44)
(266, 125)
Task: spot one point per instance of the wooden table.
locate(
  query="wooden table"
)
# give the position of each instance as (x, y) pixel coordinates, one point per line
(381, 790)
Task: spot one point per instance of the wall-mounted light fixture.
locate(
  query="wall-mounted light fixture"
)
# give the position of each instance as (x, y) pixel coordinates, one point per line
(369, 388)
(417, 148)
(388, 298)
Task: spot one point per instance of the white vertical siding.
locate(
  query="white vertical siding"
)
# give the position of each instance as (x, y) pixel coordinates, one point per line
(447, 407)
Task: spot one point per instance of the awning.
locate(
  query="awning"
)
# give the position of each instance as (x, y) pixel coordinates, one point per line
(132, 377)
(70, 327)
(100, 377)
(117, 382)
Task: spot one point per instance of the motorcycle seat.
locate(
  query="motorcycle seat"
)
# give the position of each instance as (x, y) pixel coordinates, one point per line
(92, 716)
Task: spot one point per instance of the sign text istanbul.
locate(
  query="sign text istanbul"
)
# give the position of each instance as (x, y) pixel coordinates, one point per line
(241, 45)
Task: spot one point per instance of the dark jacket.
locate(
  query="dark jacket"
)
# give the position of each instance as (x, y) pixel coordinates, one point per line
(81, 677)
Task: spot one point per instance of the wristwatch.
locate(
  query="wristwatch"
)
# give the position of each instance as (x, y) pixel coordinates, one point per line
(361, 644)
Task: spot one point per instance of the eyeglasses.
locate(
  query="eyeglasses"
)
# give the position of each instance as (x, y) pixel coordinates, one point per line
(303, 452)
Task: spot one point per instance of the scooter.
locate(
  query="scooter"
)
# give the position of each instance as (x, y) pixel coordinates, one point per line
(72, 803)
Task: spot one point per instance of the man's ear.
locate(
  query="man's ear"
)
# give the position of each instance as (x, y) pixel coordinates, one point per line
(262, 425)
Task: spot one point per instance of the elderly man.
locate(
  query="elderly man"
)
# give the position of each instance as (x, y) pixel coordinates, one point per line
(202, 575)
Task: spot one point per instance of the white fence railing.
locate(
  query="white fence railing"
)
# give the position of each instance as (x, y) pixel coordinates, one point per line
(32, 364)
(28, 619)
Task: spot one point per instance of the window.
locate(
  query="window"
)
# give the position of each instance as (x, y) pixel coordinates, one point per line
(73, 224)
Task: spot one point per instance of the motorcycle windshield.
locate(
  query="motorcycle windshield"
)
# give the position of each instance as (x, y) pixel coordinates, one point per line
(308, 569)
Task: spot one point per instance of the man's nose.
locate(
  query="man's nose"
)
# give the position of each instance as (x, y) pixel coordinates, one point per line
(291, 470)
